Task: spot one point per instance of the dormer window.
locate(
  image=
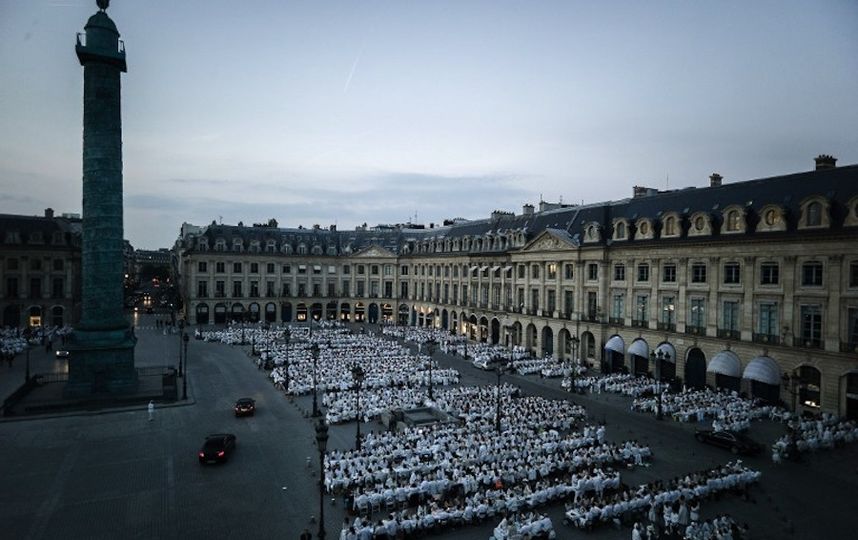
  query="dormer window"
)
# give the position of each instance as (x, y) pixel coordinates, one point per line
(852, 213)
(12, 237)
(771, 219)
(220, 245)
(814, 214)
(302, 249)
(332, 250)
(734, 220)
(317, 249)
(271, 246)
(670, 225)
(621, 230)
(203, 244)
(58, 238)
(237, 245)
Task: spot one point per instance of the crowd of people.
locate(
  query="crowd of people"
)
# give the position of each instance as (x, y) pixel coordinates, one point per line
(618, 383)
(667, 506)
(16, 340)
(809, 435)
(722, 527)
(726, 409)
(524, 526)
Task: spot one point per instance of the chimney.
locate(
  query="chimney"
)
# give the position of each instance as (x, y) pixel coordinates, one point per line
(825, 161)
(49, 213)
(715, 180)
(333, 228)
(527, 210)
(639, 191)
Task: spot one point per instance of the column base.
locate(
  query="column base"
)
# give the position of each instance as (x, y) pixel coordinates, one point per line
(101, 363)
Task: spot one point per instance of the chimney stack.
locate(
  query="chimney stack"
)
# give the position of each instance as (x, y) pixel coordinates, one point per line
(527, 210)
(825, 161)
(49, 213)
(715, 180)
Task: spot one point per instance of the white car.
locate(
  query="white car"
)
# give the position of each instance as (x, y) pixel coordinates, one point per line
(484, 363)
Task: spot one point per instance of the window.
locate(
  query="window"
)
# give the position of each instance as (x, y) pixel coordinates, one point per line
(768, 319)
(669, 273)
(12, 287)
(730, 316)
(361, 288)
(254, 268)
(521, 271)
(36, 264)
(388, 270)
(732, 273)
(236, 288)
(697, 313)
(568, 302)
(236, 268)
(58, 265)
(302, 269)
(811, 274)
(361, 269)
(35, 287)
(403, 270)
(698, 273)
(643, 272)
(403, 289)
(534, 272)
(347, 269)
(852, 328)
(619, 272)
(57, 288)
(388, 290)
(220, 289)
(769, 273)
(346, 287)
(534, 299)
(287, 268)
(269, 289)
(814, 214)
(641, 308)
(551, 269)
(621, 231)
(811, 325)
(733, 220)
(202, 289)
(269, 268)
(853, 274)
(668, 310)
(317, 269)
(618, 306)
(11, 264)
(670, 226)
(551, 301)
(568, 271)
(373, 269)
(202, 266)
(592, 271)
(592, 306)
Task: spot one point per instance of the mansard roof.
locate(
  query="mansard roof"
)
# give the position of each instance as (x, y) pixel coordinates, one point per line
(47, 226)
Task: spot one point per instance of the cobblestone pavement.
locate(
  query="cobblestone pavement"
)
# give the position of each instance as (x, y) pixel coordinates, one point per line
(117, 475)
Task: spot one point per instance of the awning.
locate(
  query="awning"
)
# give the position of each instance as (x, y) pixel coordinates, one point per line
(302, 267)
(317, 268)
(725, 363)
(495, 268)
(507, 268)
(474, 268)
(668, 350)
(483, 268)
(616, 344)
(639, 348)
(763, 369)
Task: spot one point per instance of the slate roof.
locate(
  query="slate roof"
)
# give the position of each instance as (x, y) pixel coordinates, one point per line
(26, 225)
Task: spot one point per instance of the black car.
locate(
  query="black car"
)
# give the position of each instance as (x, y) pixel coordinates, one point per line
(217, 448)
(245, 407)
(735, 442)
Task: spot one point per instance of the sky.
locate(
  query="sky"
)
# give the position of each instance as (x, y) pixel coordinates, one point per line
(383, 112)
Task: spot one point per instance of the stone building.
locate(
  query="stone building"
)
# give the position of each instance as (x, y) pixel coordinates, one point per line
(39, 270)
(748, 285)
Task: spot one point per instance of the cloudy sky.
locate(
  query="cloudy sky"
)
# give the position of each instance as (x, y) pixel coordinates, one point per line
(364, 111)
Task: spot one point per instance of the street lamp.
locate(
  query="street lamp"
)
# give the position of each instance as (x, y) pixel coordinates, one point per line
(27, 375)
(357, 375)
(181, 333)
(575, 340)
(315, 350)
(499, 369)
(185, 338)
(430, 350)
(792, 382)
(657, 358)
(322, 443)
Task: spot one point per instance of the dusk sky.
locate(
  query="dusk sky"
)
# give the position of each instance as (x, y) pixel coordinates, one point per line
(352, 112)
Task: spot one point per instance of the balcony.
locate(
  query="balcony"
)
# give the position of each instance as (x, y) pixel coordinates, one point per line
(848, 347)
(639, 324)
(695, 330)
(766, 339)
(666, 326)
(809, 343)
(617, 321)
(219, 294)
(729, 334)
(590, 317)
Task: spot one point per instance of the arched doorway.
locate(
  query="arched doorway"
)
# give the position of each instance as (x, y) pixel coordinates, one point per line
(12, 316)
(473, 328)
(387, 313)
(301, 312)
(254, 312)
(34, 316)
(639, 357)
(316, 311)
(345, 312)
(695, 369)
(484, 329)
(727, 370)
(202, 314)
(331, 311)
(445, 319)
(220, 314)
(495, 331)
(454, 322)
(403, 314)
(360, 312)
(516, 334)
(57, 315)
(810, 383)
(236, 312)
(270, 312)
(373, 313)
(286, 312)
(565, 341)
(436, 318)
(764, 375)
(665, 360)
(588, 347)
(615, 355)
(530, 338)
(547, 341)
(413, 316)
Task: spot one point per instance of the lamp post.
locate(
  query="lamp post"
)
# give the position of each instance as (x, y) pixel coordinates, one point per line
(357, 375)
(181, 333)
(185, 338)
(286, 362)
(322, 443)
(315, 350)
(499, 369)
(575, 340)
(657, 359)
(27, 374)
(430, 350)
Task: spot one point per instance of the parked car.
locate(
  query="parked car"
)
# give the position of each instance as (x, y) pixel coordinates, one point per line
(217, 448)
(245, 407)
(735, 442)
(487, 364)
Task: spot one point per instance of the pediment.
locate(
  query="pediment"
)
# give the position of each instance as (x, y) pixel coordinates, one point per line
(551, 240)
(373, 252)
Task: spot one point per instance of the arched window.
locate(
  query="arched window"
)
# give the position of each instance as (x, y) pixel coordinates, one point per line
(733, 220)
(670, 226)
(814, 214)
(621, 230)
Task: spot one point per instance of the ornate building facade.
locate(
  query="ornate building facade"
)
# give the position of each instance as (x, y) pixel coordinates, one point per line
(39, 270)
(749, 285)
